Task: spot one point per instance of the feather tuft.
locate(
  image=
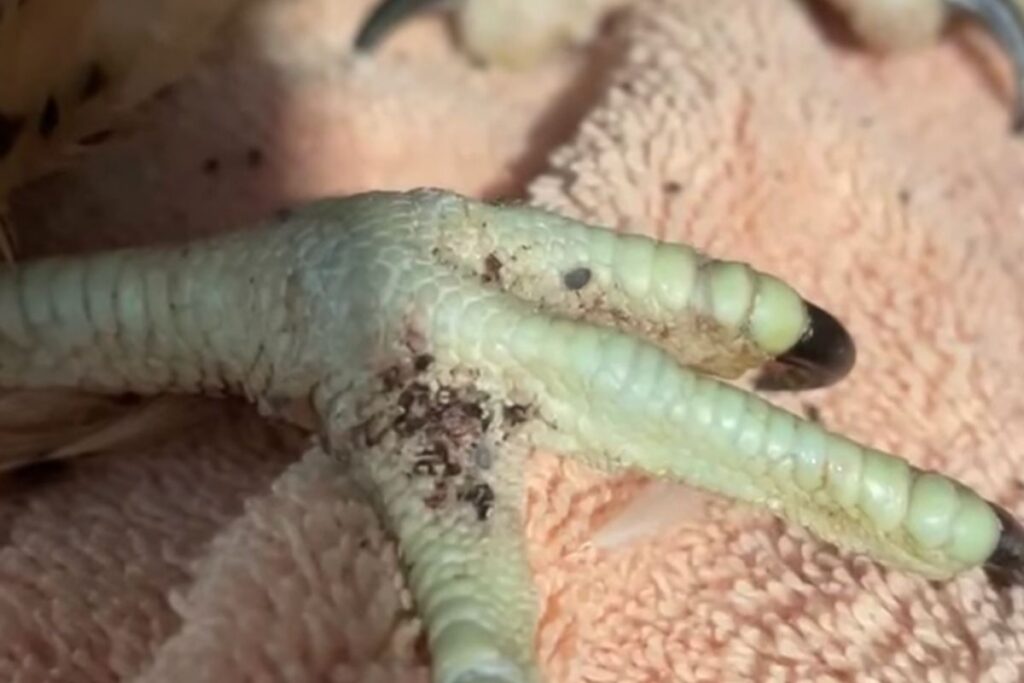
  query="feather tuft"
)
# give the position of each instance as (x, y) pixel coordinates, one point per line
(69, 72)
(46, 425)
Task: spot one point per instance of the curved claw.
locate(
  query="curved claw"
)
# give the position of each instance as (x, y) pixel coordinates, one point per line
(386, 15)
(1005, 566)
(824, 355)
(1004, 20)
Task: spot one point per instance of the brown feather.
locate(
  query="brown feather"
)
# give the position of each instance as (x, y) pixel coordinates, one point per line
(46, 425)
(71, 70)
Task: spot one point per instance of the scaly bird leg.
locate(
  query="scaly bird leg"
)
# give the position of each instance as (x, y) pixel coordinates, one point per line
(440, 338)
(443, 461)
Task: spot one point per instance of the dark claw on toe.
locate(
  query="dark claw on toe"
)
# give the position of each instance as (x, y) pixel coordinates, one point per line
(1005, 566)
(386, 15)
(1005, 22)
(823, 356)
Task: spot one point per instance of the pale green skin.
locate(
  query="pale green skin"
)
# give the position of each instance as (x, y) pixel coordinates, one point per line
(328, 308)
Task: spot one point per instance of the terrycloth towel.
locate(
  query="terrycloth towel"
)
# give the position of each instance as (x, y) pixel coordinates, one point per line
(887, 191)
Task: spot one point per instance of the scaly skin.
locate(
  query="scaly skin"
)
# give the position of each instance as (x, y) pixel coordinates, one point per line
(439, 339)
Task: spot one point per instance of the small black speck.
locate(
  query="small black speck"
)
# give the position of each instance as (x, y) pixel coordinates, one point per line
(492, 268)
(514, 414)
(41, 473)
(424, 468)
(812, 412)
(672, 187)
(473, 411)
(254, 157)
(211, 166)
(577, 278)
(416, 391)
(164, 93)
(440, 450)
(96, 138)
(128, 399)
(904, 196)
(9, 129)
(481, 497)
(436, 497)
(50, 118)
(390, 379)
(95, 82)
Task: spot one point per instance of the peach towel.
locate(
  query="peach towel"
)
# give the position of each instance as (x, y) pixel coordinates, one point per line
(885, 190)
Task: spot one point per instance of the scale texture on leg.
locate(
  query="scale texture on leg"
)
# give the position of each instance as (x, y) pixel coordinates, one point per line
(439, 339)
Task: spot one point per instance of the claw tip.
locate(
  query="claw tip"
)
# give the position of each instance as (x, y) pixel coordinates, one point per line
(821, 357)
(1005, 566)
(384, 17)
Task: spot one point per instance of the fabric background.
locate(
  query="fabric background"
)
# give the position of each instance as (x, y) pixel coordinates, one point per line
(886, 190)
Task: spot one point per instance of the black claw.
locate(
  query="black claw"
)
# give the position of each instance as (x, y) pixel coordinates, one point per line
(1005, 22)
(386, 15)
(823, 356)
(1005, 566)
